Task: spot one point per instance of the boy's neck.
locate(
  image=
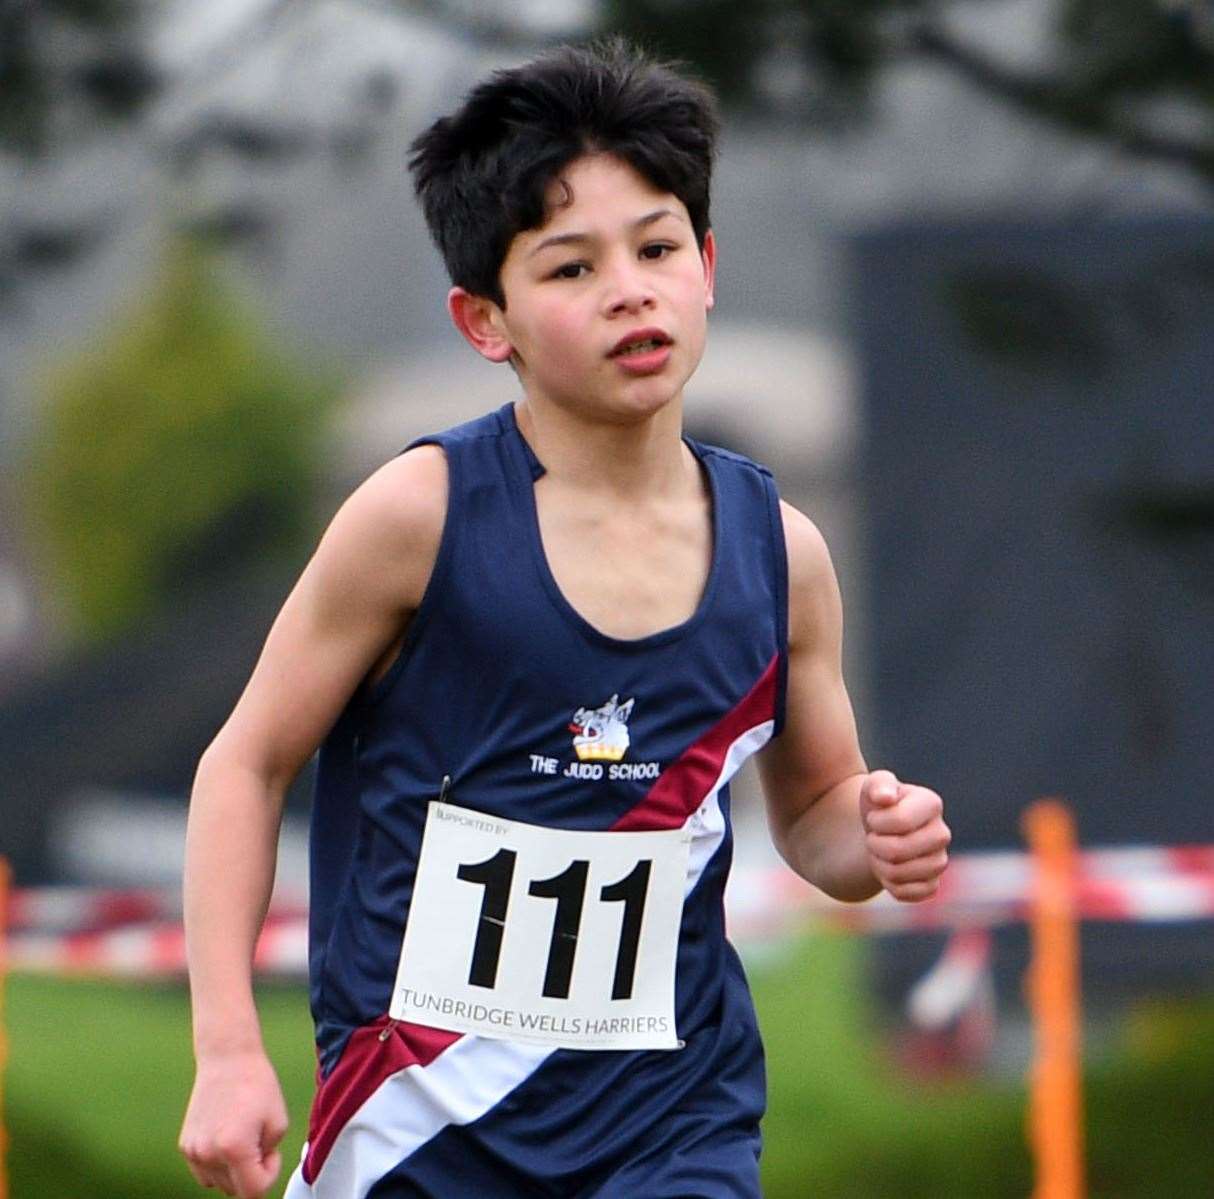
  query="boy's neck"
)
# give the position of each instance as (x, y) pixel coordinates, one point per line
(630, 459)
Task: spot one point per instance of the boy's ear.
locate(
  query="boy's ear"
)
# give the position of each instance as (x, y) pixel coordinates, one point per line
(479, 320)
(709, 254)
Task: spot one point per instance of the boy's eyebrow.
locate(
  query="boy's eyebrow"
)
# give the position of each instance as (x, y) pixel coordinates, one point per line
(565, 239)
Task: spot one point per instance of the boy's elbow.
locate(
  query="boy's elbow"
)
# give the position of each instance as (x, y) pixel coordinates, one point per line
(225, 767)
(217, 760)
(789, 837)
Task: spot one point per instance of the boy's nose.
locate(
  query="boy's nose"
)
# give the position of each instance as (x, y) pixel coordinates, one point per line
(628, 290)
(630, 298)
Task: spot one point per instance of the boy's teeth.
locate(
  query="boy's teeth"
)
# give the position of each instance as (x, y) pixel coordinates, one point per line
(640, 347)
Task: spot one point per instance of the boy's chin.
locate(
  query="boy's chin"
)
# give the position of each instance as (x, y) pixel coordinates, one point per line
(636, 405)
(642, 405)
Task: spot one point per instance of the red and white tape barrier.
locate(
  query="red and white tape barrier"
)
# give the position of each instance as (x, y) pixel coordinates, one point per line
(67, 911)
(148, 950)
(138, 933)
(1133, 883)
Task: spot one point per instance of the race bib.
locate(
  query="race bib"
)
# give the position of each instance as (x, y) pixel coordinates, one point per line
(550, 936)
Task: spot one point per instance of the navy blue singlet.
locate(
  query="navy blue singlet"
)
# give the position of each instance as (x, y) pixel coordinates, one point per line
(495, 665)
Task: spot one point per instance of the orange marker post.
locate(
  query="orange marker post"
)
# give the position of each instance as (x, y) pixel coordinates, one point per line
(1055, 1117)
(5, 876)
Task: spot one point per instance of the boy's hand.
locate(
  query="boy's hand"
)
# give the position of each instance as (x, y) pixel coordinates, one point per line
(905, 834)
(233, 1124)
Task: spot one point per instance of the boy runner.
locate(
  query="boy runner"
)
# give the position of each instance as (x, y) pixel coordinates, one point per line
(533, 650)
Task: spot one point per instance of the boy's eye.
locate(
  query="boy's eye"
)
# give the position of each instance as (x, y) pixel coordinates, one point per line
(656, 250)
(570, 270)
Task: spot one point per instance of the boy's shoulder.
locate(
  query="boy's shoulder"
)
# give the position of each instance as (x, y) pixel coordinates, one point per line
(390, 526)
(393, 522)
(411, 488)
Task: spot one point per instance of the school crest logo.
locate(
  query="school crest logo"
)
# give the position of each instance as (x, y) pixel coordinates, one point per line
(601, 734)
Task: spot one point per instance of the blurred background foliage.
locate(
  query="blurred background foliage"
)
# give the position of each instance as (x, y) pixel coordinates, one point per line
(1118, 70)
(67, 67)
(183, 443)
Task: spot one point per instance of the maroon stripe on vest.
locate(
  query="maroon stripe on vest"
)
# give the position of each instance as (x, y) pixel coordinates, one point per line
(683, 785)
(360, 1071)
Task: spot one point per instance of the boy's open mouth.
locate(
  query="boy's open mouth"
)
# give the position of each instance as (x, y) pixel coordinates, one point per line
(643, 342)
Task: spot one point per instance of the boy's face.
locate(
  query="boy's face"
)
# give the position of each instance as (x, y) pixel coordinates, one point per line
(615, 263)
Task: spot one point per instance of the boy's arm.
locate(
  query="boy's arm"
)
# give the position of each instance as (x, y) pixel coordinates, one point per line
(343, 618)
(845, 829)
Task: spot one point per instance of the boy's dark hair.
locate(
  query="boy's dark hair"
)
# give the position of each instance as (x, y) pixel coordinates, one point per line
(482, 173)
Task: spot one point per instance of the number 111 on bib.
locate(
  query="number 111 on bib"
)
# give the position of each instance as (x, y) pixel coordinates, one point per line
(549, 936)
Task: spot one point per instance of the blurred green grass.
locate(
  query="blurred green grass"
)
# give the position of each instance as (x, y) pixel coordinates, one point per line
(99, 1074)
(98, 1077)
